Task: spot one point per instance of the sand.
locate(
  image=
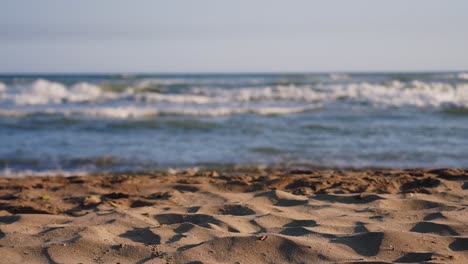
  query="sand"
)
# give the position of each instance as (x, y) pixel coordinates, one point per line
(237, 216)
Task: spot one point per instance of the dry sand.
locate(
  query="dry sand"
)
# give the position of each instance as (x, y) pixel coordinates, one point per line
(243, 216)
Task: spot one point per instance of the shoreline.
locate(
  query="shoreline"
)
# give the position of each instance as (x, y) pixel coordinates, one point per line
(244, 215)
(218, 167)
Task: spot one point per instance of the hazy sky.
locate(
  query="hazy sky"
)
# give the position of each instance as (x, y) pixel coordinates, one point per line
(233, 36)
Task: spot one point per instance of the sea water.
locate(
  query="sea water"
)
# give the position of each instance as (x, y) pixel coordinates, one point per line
(91, 123)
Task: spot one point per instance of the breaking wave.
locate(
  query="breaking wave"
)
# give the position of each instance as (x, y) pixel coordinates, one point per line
(42, 92)
(2, 87)
(143, 112)
(462, 76)
(46, 97)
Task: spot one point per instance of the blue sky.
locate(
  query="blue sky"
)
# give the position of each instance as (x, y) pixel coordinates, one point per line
(233, 36)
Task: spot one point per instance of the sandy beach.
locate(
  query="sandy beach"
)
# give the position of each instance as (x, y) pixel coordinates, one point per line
(237, 216)
(237, 132)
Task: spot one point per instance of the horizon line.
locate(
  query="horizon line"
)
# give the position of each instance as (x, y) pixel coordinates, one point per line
(32, 73)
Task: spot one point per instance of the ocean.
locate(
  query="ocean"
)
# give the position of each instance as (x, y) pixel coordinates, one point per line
(137, 122)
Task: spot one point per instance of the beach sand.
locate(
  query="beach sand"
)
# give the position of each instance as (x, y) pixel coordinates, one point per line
(237, 216)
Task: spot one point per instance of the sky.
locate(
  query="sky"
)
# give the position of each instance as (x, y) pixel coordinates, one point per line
(162, 36)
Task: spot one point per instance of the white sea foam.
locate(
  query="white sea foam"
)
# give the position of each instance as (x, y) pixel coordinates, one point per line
(462, 76)
(275, 93)
(136, 112)
(54, 98)
(42, 92)
(118, 112)
(415, 93)
(3, 87)
(105, 112)
(225, 111)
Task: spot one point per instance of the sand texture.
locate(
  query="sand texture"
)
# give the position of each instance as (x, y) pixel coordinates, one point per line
(238, 216)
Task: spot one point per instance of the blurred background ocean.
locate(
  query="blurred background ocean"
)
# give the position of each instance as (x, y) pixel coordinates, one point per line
(88, 123)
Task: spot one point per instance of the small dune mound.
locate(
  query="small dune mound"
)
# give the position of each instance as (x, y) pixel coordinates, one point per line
(251, 249)
(280, 198)
(206, 221)
(412, 204)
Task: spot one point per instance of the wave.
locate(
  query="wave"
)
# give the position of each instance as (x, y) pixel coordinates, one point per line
(146, 112)
(415, 93)
(107, 112)
(217, 101)
(42, 92)
(3, 87)
(462, 76)
(395, 93)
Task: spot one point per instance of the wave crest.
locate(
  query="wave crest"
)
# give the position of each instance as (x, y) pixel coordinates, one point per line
(42, 92)
(415, 93)
(42, 96)
(462, 76)
(3, 87)
(127, 112)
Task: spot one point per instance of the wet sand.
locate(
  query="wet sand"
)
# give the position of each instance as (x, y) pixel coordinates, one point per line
(237, 216)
